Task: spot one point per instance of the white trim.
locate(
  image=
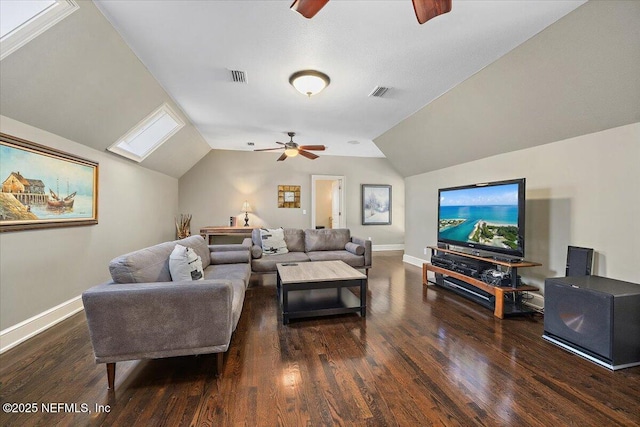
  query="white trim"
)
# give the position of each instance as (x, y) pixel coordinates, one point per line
(536, 301)
(342, 223)
(413, 260)
(394, 247)
(16, 334)
(36, 26)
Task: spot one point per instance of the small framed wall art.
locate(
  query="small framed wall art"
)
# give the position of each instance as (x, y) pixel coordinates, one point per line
(376, 204)
(43, 187)
(288, 196)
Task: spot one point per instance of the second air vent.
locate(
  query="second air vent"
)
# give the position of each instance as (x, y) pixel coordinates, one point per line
(379, 91)
(238, 76)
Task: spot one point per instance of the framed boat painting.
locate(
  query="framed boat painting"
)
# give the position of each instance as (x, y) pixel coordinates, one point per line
(376, 204)
(43, 187)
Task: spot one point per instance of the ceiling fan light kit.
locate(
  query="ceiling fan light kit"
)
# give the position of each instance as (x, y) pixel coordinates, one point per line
(309, 82)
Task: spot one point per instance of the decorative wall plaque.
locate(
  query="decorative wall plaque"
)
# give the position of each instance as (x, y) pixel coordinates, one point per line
(288, 196)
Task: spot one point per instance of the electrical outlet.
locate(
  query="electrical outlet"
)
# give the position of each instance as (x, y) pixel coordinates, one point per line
(425, 251)
(368, 238)
(304, 211)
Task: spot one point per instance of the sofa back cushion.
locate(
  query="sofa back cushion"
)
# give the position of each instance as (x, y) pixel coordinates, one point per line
(293, 237)
(152, 264)
(326, 239)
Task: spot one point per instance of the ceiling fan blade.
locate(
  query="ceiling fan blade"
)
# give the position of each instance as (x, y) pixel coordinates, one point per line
(308, 8)
(281, 143)
(313, 147)
(268, 149)
(307, 154)
(283, 157)
(427, 9)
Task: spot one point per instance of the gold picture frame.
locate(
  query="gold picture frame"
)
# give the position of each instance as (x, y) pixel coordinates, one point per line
(30, 172)
(288, 196)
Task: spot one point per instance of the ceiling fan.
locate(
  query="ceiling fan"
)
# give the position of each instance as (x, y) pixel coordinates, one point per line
(291, 149)
(425, 9)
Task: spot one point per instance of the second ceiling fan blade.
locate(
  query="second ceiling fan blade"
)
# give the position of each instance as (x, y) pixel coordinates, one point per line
(283, 157)
(268, 149)
(427, 9)
(307, 154)
(308, 8)
(313, 147)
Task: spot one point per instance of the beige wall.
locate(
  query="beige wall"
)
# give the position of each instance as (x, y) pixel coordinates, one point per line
(582, 191)
(214, 189)
(40, 269)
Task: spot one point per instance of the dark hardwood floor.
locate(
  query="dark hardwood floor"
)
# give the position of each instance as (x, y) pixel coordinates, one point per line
(422, 356)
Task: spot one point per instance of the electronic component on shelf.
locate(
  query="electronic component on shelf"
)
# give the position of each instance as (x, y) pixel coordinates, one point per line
(495, 277)
(467, 266)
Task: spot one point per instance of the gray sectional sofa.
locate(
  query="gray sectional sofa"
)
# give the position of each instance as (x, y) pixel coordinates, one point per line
(313, 245)
(142, 314)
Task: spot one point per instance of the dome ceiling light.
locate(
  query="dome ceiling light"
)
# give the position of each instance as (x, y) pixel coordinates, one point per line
(309, 82)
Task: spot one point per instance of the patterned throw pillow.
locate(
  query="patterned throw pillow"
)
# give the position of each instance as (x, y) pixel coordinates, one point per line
(273, 241)
(185, 264)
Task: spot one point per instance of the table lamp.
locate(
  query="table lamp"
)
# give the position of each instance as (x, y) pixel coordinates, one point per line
(246, 208)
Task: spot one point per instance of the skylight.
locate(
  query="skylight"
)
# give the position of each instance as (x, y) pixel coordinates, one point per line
(23, 20)
(148, 135)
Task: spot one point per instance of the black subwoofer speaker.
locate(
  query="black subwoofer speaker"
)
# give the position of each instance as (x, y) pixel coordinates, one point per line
(579, 261)
(595, 317)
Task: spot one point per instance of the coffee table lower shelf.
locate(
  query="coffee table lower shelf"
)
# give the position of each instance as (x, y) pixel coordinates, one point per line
(312, 299)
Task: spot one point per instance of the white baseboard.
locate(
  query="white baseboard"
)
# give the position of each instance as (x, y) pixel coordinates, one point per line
(394, 247)
(536, 302)
(21, 332)
(413, 260)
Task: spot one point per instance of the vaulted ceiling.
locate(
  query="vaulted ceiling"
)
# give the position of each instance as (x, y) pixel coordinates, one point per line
(488, 77)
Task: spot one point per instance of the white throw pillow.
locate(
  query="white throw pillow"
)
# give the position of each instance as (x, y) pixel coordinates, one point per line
(273, 241)
(185, 264)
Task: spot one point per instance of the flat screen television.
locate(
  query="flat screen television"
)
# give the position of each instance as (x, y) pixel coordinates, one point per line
(488, 216)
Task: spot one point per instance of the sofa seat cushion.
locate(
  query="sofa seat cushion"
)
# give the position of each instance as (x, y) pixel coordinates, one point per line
(238, 276)
(229, 272)
(347, 257)
(326, 239)
(268, 263)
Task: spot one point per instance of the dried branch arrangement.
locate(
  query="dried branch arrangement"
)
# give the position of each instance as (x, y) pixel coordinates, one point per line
(183, 226)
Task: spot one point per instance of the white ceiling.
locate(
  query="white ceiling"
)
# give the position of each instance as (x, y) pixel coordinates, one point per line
(190, 46)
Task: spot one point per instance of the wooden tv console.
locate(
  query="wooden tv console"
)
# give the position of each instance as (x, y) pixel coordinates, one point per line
(497, 291)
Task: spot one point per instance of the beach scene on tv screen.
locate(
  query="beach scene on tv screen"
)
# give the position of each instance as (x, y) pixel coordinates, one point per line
(483, 215)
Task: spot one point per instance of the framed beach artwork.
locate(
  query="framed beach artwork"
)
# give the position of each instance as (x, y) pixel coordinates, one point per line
(376, 204)
(43, 187)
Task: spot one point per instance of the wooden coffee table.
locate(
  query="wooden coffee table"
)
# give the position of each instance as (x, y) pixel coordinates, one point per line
(320, 288)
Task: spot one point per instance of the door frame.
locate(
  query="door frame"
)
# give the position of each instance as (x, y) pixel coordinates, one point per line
(342, 223)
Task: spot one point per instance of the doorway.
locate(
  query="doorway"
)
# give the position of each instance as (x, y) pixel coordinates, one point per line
(327, 201)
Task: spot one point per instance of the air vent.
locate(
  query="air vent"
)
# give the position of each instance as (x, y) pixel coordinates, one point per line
(379, 91)
(238, 76)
